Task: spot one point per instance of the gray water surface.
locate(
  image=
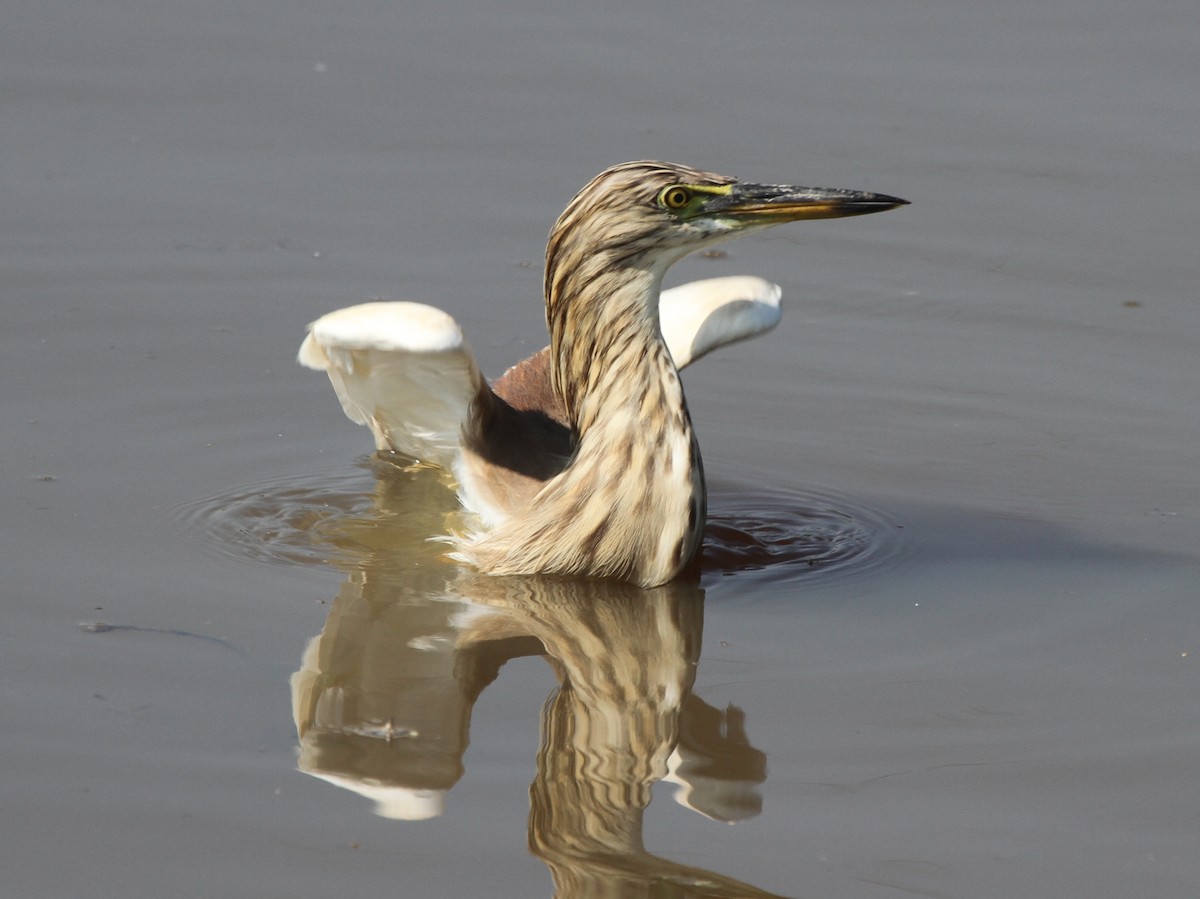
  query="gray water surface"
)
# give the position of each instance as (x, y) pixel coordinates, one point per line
(959, 658)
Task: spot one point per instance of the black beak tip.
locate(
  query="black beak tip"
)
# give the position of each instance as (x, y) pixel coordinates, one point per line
(886, 202)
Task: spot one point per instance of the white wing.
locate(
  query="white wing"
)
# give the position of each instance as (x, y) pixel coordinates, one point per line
(401, 369)
(405, 371)
(698, 317)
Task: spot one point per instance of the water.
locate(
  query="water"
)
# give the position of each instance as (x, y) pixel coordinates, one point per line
(945, 640)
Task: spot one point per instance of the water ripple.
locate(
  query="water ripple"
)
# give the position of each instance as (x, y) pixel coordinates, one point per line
(383, 508)
(786, 534)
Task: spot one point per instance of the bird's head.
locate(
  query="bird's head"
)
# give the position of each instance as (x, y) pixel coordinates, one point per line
(651, 214)
(609, 250)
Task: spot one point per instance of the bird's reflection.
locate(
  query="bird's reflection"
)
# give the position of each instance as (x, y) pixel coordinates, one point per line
(383, 700)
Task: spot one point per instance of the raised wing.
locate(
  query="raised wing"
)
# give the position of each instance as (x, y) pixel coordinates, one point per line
(698, 317)
(403, 370)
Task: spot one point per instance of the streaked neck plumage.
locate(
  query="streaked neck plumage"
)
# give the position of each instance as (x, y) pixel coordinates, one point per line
(631, 502)
(637, 468)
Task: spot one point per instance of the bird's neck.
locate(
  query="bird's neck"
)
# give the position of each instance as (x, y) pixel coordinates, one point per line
(635, 451)
(605, 341)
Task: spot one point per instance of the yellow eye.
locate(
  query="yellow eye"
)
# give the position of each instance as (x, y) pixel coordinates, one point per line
(675, 197)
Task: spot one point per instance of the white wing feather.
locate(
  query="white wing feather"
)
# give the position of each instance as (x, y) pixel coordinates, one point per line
(405, 371)
(701, 316)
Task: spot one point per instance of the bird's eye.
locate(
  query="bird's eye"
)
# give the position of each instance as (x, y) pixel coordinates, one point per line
(675, 197)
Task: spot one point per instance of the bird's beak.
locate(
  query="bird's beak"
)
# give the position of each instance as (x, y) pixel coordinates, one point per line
(775, 203)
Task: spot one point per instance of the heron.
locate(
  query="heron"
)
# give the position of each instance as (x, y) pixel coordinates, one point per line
(581, 460)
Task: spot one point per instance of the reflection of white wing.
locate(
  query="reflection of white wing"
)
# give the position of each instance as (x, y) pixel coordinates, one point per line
(405, 371)
(401, 369)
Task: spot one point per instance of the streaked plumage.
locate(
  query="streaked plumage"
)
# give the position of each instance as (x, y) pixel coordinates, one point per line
(600, 475)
